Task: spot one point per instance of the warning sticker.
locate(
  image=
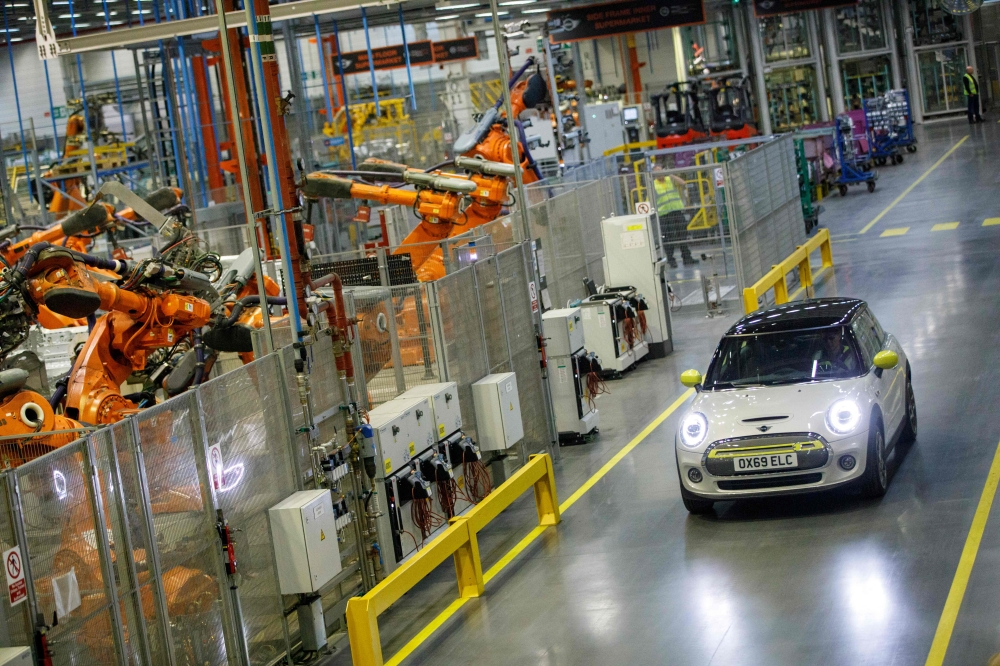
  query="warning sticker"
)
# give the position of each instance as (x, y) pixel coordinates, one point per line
(388, 465)
(17, 589)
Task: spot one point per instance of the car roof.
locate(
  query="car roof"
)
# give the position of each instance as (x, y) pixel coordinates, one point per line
(812, 313)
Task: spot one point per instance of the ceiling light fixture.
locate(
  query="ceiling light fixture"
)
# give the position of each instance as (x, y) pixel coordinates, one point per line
(448, 7)
(446, 18)
(490, 14)
(536, 10)
(512, 3)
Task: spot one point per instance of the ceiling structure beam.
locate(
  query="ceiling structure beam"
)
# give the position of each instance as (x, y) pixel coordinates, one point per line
(151, 32)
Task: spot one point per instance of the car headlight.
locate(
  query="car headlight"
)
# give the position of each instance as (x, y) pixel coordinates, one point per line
(843, 417)
(694, 428)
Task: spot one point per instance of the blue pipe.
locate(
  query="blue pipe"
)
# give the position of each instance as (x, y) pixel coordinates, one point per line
(322, 70)
(114, 69)
(17, 100)
(371, 60)
(347, 106)
(52, 107)
(406, 50)
(276, 198)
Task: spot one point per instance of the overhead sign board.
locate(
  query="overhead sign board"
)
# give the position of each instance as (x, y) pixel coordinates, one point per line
(617, 18)
(772, 7)
(388, 57)
(456, 49)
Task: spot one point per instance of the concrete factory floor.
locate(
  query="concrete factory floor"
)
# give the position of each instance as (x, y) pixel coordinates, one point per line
(630, 578)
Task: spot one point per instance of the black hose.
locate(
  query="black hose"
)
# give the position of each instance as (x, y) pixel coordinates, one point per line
(199, 355)
(60, 391)
(250, 301)
(444, 164)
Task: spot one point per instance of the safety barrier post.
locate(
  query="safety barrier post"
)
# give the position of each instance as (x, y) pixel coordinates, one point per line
(459, 541)
(545, 495)
(775, 278)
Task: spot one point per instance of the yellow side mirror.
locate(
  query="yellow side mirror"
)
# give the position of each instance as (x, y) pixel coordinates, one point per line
(690, 378)
(886, 359)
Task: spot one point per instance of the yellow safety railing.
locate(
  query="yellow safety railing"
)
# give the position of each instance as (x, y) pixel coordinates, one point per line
(458, 540)
(775, 278)
(626, 147)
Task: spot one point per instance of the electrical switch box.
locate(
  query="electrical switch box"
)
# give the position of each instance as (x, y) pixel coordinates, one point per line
(498, 411)
(304, 534)
(444, 401)
(563, 331)
(403, 428)
(15, 656)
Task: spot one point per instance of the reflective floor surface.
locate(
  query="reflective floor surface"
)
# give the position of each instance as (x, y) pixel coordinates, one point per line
(630, 578)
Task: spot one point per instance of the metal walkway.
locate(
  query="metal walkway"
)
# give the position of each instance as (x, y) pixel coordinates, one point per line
(630, 578)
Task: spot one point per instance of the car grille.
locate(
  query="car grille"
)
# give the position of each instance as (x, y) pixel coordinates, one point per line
(811, 449)
(770, 482)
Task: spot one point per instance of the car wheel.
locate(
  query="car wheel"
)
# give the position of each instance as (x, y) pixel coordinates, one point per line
(909, 433)
(876, 479)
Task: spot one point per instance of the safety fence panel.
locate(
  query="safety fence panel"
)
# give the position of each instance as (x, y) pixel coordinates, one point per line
(512, 275)
(767, 221)
(491, 315)
(66, 544)
(15, 621)
(397, 347)
(130, 541)
(170, 459)
(249, 442)
(461, 338)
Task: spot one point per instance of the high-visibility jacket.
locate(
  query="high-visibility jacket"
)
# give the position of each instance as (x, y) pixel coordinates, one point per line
(668, 199)
(971, 87)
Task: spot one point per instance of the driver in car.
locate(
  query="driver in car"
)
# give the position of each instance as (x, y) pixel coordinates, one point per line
(834, 354)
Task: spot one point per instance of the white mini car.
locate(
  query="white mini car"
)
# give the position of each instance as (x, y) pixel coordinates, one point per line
(801, 397)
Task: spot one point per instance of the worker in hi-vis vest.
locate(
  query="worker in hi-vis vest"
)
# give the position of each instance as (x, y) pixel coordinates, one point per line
(972, 93)
(671, 199)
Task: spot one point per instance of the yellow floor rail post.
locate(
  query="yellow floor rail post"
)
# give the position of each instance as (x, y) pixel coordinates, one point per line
(545, 496)
(775, 278)
(458, 540)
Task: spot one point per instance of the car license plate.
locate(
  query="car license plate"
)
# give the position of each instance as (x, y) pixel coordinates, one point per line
(770, 461)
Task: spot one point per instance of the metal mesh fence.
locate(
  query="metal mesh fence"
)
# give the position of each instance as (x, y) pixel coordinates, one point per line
(767, 213)
(182, 524)
(244, 418)
(63, 549)
(15, 621)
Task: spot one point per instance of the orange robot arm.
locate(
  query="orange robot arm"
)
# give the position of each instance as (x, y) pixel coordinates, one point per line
(135, 324)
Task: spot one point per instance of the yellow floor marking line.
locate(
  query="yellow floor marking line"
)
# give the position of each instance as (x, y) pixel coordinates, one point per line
(945, 226)
(991, 221)
(954, 602)
(915, 183)
(896, 231)
(509, 556)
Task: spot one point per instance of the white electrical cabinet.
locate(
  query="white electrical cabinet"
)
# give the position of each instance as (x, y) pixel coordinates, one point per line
(564, 346)
(403, 428)
(604, 127)
(603, 333)
(444, 401)
(632, 256)
(498, 411)
(15, 656)
(563, 331)
(304, 534)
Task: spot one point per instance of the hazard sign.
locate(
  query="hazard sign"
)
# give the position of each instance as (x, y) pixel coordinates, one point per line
(643, 208)
(17, 589)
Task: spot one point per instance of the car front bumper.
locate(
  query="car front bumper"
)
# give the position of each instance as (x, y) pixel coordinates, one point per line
(787, 482)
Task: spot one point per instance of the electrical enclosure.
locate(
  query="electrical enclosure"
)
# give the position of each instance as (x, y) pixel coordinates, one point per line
(444, 401)
(632, 256)
(603, 335)
(304, 533)
(563, 331)
(15, 656)
(400, 432)
(498, 411)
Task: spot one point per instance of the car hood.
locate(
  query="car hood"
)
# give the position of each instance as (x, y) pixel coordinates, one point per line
(779, 409)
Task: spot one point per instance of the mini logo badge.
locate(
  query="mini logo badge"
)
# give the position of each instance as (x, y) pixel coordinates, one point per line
(764, 428)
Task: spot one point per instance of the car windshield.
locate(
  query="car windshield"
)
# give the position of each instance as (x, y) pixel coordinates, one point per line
(789, 357)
